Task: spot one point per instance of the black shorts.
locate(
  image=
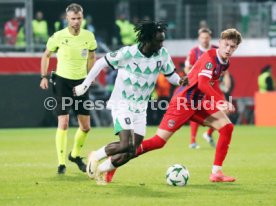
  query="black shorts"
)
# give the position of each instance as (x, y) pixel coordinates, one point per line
(62, 89)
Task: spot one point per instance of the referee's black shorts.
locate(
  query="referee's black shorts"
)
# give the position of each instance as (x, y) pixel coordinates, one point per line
(63, 93)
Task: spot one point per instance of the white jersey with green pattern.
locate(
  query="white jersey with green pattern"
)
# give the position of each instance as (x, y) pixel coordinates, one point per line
(136, 77)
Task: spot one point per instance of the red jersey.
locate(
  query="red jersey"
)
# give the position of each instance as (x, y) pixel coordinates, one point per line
(204, 78)
(195, 53)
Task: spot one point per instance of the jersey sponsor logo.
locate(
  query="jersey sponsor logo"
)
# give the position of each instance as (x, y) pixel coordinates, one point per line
(171, 123)
(84, 53)
(127, 120)
(209, 65)
(158, 64)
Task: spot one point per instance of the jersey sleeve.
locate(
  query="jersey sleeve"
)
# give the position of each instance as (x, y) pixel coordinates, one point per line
(168, 65)
(52, 43)
(115, 59)
(93, 43)
(207, 66)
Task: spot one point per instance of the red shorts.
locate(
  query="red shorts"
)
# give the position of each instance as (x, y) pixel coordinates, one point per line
(176, 115)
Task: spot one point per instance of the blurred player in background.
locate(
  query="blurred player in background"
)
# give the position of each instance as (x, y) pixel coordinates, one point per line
(185, 104)
(138, 68)
(75, 48)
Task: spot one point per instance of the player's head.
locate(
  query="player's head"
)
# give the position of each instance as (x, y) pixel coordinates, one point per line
(204, 37)
(229, 41)
(151, 34)
(74, 16)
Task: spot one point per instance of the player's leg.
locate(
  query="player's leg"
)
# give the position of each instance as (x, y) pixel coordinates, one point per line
(112, 163)
(61, 142)
(139, 122)
(79, 139)
(173, 119)
(220, 122)
(60, 91)
(123, 125)
(194, 128)
(80, 108)
(208, 136)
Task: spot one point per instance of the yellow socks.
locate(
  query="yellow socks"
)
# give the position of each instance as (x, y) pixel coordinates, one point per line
(79, 140)
(61, 143)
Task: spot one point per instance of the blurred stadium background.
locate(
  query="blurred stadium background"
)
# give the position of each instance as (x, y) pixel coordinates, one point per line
(22, 100)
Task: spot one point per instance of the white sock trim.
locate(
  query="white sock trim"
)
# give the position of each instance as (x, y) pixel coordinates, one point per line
(100, 154)
(216, 168)
(106, 166)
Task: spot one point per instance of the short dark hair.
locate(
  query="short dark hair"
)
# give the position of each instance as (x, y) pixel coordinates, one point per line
(146, 30)
(74, 7)
(205, 30)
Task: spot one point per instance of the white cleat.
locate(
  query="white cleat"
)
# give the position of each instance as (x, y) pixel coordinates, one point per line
(92, 165)
(194, 146)
(209, 139)
(100, 178)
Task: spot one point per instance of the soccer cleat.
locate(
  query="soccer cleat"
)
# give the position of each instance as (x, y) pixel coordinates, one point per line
(194, 146)
(61, 169)
(220, 177)
(78, 161)
(100, 178)
(109, 175)
(92, 165)
(209, 139)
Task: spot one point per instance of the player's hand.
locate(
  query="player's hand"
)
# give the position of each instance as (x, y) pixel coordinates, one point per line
(226, 107)
(80, 90)
(184, 81)
(44, 83)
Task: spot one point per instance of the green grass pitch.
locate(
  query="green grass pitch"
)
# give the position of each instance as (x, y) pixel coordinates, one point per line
(28, 171)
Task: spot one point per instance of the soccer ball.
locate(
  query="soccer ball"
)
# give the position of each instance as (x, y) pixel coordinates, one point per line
(177, 175)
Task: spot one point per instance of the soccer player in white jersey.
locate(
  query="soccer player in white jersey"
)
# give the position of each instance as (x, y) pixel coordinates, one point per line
(138, 68)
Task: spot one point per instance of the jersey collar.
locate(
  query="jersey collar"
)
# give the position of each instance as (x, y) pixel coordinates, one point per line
(220, 60)
(201, 48)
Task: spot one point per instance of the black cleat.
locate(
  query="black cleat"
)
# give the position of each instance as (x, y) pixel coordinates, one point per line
(78, 161)
(61, 169)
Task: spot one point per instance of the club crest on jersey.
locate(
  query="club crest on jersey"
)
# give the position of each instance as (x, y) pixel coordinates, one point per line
(158, 64)
(171, 123)
(84, 53)
(209, 65)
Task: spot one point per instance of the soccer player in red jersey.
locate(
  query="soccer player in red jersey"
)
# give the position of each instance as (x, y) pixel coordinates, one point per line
(204, 39)
(186, 105)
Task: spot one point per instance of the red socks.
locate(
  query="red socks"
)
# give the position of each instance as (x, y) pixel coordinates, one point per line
(210, 131)
(153, 143)
(225, 134)
(194, 127)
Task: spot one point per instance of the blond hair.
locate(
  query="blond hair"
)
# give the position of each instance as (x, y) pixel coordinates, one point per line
(76, 8)
(231, 34)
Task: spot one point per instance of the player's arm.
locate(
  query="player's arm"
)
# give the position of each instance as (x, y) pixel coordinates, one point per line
(212, 90)
(44, 64)
(99, 65)
(190, 61)
(91, 60)
(175, 79)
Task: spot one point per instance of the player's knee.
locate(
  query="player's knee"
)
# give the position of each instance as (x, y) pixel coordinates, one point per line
(63, 122)
(85, 129)
(131, 151)
(63, 125)
(124, 147)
